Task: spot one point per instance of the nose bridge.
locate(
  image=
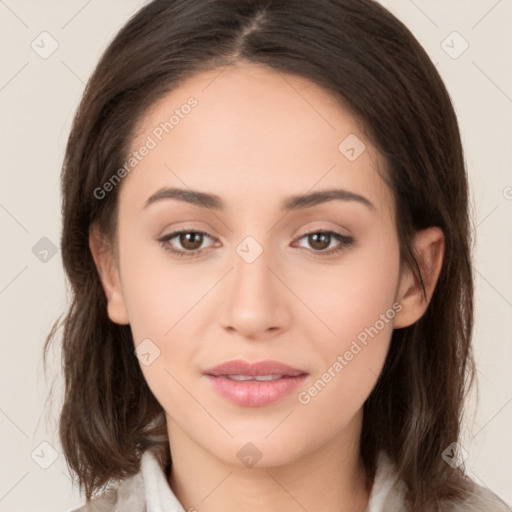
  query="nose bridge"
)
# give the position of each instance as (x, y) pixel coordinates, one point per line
(255, 302)
(252, 277)
(251, 264)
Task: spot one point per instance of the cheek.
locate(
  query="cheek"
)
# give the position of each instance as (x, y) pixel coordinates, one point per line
(157, 293)
(352, 295)
(163, 301)
(355, 302)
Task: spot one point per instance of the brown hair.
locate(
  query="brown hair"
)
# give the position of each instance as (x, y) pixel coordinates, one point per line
(369, 60)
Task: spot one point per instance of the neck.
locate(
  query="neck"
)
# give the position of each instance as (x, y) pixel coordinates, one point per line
(327, 478)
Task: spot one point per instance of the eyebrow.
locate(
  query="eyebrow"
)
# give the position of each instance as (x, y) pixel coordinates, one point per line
(298, 202)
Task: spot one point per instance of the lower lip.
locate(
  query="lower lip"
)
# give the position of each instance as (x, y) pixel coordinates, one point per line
(252, 393)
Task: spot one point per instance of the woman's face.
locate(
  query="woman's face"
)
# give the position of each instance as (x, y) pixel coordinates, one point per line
(261, 288)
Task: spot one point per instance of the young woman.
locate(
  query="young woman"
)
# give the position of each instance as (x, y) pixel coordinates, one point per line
(265, 226)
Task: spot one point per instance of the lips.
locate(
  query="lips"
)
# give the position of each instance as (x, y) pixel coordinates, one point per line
(261, 368)
(254, 384)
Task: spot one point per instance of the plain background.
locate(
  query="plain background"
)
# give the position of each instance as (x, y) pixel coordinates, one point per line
(38, 97)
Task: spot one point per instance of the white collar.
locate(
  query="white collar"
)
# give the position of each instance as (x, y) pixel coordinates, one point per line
(159, 495)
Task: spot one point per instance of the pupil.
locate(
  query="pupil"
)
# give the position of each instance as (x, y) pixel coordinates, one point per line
(187, 240)
(320, 244)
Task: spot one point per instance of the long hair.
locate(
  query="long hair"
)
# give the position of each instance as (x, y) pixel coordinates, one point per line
(374, 66)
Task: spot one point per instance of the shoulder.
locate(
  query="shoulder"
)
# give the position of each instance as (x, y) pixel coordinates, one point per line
(482, 499)
(104, 503)
(389, 491)
(127, 495)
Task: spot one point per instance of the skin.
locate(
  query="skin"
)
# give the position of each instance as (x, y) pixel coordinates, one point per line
(256, 137)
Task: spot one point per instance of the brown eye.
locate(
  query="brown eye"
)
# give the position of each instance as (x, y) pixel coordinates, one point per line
(185, 242)
(191, 240)
(189, 243)
(321, 242)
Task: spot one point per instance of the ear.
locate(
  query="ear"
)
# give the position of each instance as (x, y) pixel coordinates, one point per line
(429, 247)
(108, 271)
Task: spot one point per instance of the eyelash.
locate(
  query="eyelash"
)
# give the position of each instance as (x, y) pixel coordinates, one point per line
(346, 241)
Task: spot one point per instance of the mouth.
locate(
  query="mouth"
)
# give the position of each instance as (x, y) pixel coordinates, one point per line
(266, 369)
(254, 384)
(256, 378)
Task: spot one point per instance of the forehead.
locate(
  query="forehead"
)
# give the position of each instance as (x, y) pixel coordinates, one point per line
(247, 132)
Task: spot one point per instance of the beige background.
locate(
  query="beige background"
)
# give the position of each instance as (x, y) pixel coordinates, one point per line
(37, 100)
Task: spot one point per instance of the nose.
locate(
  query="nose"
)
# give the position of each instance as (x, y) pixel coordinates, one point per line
(255, 303)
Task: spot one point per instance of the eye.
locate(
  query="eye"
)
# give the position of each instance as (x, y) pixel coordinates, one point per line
(191, 241)
(321, 241)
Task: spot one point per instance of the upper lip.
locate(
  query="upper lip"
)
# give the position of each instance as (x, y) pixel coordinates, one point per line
(240, 367)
